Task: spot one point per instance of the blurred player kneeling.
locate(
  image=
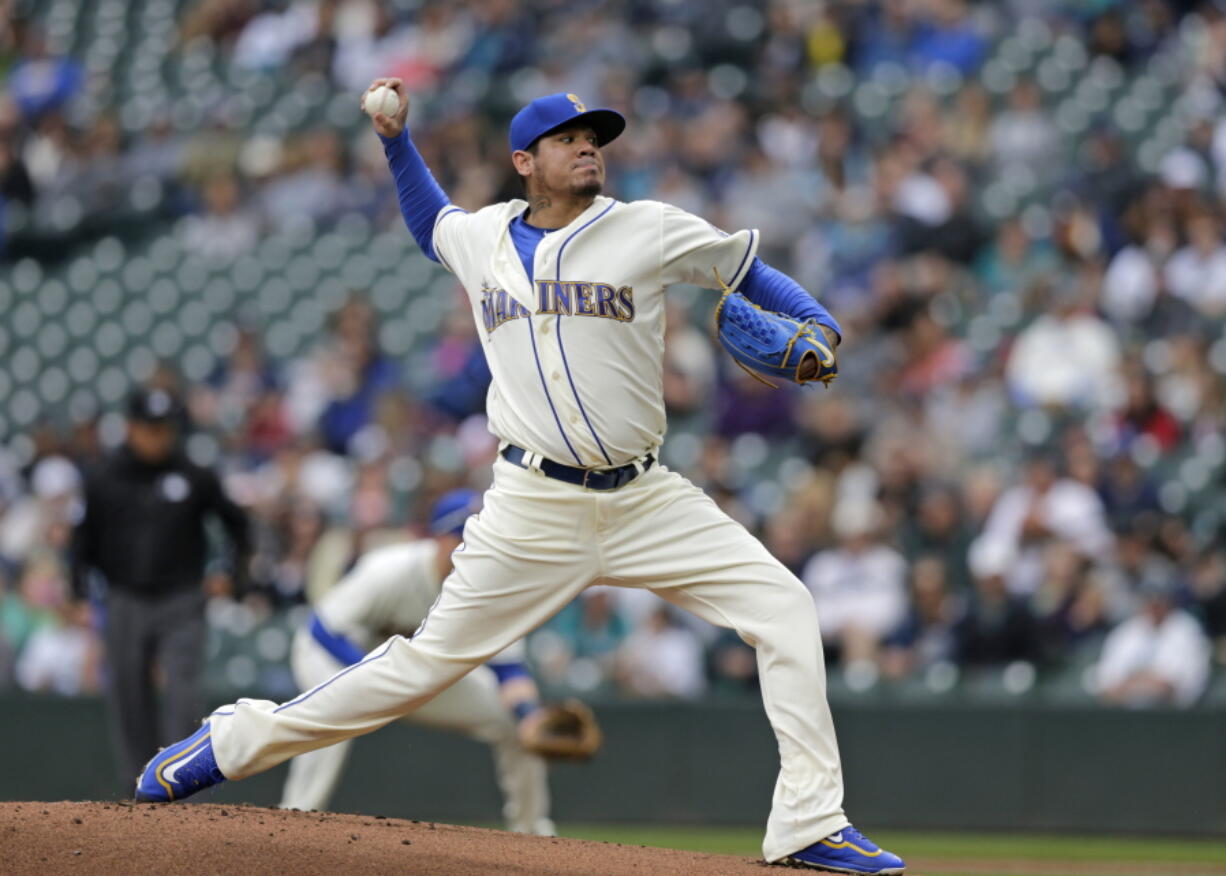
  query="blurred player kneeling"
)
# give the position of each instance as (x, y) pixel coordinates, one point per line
(389, 592)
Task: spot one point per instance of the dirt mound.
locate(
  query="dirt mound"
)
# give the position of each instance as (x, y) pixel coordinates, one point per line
(208, 838)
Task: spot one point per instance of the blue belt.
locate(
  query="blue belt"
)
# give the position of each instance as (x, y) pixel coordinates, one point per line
(589, 479)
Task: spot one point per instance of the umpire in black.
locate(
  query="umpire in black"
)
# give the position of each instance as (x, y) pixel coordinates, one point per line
(142, 530)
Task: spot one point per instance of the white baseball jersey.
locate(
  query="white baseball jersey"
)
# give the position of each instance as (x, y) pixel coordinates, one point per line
(577, 354)
(387, 592)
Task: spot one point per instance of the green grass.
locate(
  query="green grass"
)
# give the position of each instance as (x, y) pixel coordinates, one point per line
(1167, 855)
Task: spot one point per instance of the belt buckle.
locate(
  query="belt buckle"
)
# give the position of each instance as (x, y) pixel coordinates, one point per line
(587, 472)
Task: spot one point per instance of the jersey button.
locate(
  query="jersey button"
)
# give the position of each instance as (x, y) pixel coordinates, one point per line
(556, 376)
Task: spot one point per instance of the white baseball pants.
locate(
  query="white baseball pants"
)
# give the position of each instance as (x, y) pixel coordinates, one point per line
(535, 546)
(471, 706)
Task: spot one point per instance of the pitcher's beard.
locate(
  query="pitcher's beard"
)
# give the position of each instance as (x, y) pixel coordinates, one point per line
(588, 189)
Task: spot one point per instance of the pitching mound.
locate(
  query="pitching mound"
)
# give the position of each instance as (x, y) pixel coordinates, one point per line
(143, 838)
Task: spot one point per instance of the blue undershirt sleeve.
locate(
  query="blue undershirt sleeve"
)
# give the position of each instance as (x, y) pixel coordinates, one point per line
(347, 652)
(421, 197)
(508, 671)
(341, 647)
(771, 289)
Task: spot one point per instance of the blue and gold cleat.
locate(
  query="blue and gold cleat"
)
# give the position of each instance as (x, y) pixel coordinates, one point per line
(180, 770)
(847, 851)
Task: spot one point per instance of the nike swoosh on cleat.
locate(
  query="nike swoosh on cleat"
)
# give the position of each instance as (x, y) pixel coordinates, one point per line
(170, 772)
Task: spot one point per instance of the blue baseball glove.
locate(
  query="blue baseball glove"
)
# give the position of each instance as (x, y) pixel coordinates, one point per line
(774, 344)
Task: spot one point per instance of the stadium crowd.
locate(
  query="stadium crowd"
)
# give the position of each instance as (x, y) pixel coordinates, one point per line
(1020, 469)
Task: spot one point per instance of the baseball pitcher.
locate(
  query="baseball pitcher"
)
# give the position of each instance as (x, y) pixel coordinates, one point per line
(567, 289)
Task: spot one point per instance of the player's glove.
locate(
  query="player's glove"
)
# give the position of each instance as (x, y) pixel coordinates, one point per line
(774, 344)
(562, 731)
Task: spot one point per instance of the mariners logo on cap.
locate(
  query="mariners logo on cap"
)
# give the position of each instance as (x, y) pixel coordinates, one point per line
(579, 105)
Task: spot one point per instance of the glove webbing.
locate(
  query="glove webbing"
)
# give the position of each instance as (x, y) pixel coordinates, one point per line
(807, 330)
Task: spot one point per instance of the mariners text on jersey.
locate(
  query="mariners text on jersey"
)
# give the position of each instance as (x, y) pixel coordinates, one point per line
(568, 298)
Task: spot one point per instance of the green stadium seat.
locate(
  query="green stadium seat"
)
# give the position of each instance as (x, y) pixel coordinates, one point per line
(196, 362)
(1034, 34)
(82, 365)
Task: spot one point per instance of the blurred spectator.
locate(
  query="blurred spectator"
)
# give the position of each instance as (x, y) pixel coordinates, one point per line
(734, 665)
(299, 527)
(62, 656)
(337, 385)
(15, 183)
(1132, 280)
(965, 133)
(768, 196)
(96, 175)
(1207, 583)
(215, 20)
(926, 635)
(236, 392)
(1108, 37)
(225, 229)
(662, 659)
(847, 255)
(1129, 494)
(1024, 139)
(949, 38)
(1143, 417)
(859, 586)
(156, 151)
(746, 403)
(1160, 655)
(932, 358)
(370, 43)
(996, 627)
(1013, 262)
(689, 364)
(1196, 273)
(966, 418)
(310, 183)
(939, 531)
(461, 375)
(581, 642)
(1026, 517)
(1071, 604)
(40, 83)
(1067, 357)
(886, 35)
(269, 39)
(945, 221)
(47, 151)
(31, 523)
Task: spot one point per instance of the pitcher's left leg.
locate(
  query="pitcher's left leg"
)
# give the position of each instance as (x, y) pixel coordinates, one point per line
(675, 540)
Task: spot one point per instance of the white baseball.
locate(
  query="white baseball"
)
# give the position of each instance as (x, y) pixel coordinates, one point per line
(381, 99)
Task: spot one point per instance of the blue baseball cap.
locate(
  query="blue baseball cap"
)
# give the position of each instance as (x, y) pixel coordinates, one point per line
(451, 510)
(548, 113)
